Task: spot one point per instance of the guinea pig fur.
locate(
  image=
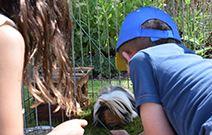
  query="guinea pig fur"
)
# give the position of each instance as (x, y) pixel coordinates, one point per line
(115, 106)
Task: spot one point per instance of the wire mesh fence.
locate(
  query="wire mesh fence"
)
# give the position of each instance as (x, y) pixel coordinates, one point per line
(96, 24)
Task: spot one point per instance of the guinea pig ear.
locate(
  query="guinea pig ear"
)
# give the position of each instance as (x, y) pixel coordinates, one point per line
(101, 103)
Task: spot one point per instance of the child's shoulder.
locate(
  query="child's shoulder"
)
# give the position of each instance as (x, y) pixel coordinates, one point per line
(168, 48)
(161, 53)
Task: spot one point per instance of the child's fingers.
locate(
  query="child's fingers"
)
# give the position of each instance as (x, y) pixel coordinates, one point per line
(81, 122)
(119, 132)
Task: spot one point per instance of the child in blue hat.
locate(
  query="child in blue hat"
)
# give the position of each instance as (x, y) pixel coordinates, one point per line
(172, 85)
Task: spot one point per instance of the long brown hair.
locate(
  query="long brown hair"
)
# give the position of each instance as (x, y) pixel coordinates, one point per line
(47, 30)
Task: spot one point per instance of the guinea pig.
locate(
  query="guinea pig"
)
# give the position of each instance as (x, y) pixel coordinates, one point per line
(115, 106)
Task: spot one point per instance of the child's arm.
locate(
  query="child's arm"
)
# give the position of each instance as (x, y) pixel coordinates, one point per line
(154, 120)
(11, 67)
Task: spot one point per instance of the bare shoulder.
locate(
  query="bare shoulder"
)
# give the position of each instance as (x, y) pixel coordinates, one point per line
(9, 35)
(12, 49)
(11, 43)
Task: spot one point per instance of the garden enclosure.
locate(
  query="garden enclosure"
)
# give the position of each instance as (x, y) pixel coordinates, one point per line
(96, 25)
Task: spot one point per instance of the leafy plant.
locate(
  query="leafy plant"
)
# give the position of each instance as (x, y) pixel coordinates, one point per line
(96, 27)
(97, 24)
(100, 21)
(192, 24)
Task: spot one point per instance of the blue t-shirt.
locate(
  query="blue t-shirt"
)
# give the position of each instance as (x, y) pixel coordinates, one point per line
(178, 79)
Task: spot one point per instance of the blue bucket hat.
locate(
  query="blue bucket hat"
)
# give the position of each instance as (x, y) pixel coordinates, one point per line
(131, 28)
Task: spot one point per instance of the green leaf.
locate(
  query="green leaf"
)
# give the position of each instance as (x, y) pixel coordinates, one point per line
(113, 42)
(203, 50)
(191, 39)
(178, 18)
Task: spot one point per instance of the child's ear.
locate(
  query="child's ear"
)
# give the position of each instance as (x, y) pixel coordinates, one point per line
(127, 56)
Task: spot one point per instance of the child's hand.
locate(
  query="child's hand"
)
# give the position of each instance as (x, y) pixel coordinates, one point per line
(119, 132)
(70, 127)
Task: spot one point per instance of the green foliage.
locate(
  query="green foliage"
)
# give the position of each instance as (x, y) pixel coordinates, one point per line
(103, 18)
(193, 25)
(201, 52)
(98, 18)
(97, 24)
(101, 65)
(96, 27)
